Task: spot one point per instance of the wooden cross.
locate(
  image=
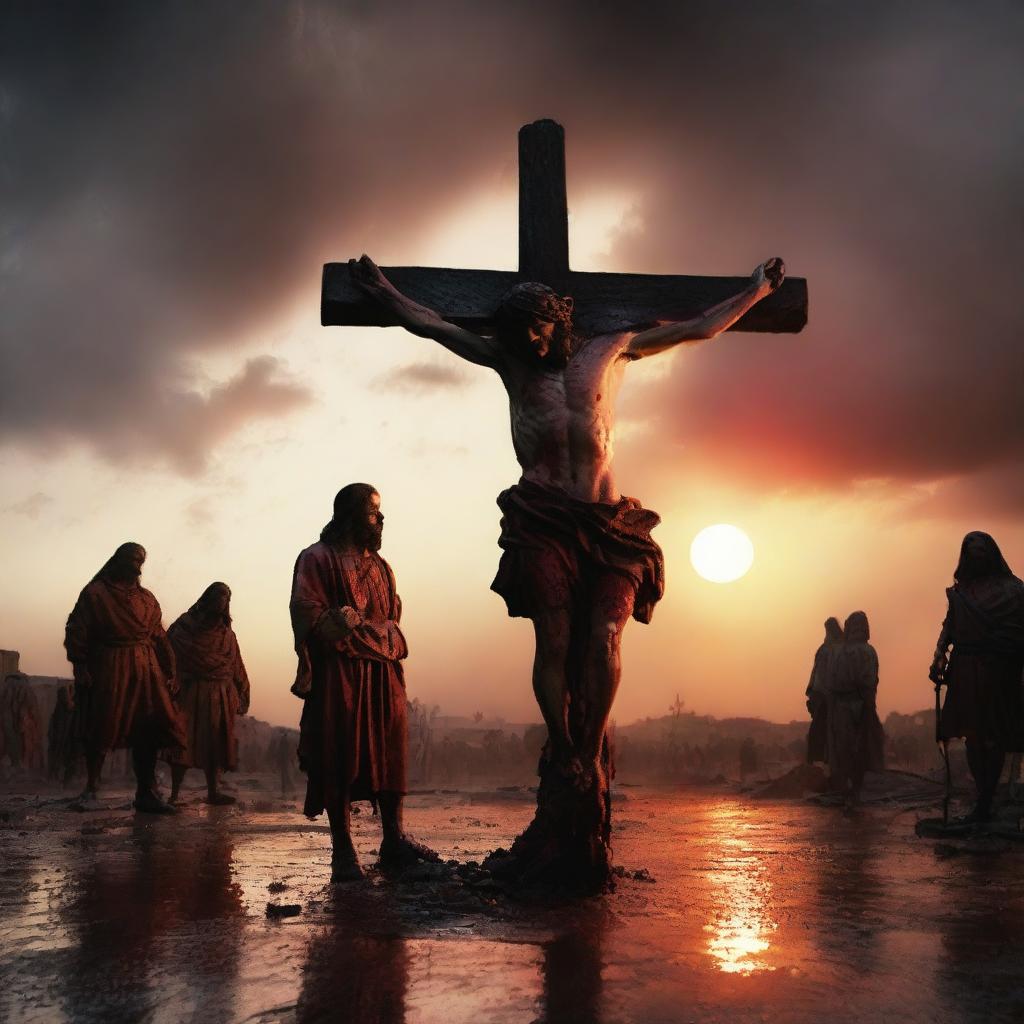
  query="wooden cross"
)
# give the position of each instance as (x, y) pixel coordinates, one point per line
(603, 302)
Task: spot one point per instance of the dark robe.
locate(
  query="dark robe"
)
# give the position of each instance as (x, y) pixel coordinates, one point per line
(985, 624)
(856, 741)
(62, 749)
(115, 631)
(353, 730)
(213, 691)
(586, 537)
(21, 730)
(817, 699)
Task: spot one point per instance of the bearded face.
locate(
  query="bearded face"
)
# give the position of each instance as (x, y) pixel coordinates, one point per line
(536, 341)
(536, 323)
(368, 529)
(127, 563)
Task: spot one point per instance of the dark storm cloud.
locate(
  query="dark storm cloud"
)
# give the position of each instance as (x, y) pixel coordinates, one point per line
(421, 378)
(173, 174)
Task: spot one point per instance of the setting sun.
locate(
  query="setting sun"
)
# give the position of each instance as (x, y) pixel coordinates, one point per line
(721, 553)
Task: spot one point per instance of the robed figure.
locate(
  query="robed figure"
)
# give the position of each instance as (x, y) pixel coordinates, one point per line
(213, 690)
(353, 741)
(984, 624)
(61, 745)
(123, 674)
(855, 740)
(21, 730)
(818, 687)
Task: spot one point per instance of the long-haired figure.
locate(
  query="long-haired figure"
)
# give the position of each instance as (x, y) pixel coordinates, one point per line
(984, 625)
(352, 737)
(124, 674)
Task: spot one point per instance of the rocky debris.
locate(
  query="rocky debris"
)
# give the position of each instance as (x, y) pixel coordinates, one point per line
(639, 875)
(276, 887)
(276, 911)
(797, 783)
(425, 871)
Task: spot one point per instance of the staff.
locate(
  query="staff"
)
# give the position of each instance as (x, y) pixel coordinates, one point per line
(935, 674)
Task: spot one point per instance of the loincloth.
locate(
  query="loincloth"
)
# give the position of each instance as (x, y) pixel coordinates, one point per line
(587, 538)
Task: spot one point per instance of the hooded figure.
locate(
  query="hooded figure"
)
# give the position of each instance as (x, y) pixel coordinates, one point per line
(856, 742)
(985, 625)
(213, 690)
(124, 671)
(817, 689)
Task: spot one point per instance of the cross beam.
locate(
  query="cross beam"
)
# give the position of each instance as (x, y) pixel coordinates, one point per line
(603, 302)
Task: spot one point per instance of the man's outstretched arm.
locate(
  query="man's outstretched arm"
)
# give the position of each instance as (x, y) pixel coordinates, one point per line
(764, 280)
(418, 319)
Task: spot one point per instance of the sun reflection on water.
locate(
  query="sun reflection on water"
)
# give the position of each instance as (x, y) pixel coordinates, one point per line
(741, 931)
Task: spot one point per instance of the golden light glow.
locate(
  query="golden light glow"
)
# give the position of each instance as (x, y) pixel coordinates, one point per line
(742, 929)
(721, 553)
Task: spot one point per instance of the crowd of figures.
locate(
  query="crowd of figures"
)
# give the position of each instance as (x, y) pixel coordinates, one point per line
(173, 695)
(178, 695)
(979, 659)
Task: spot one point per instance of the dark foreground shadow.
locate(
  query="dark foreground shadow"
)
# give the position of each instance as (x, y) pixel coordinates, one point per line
(357, 966)
(160, 916)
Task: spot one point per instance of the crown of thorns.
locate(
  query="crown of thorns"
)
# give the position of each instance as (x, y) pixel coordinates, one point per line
(538, 300)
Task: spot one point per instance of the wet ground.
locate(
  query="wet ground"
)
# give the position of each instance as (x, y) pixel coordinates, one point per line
(759, 911)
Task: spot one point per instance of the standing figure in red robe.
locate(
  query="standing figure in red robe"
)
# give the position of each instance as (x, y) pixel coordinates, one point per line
(124, 673)
(353, 736)
(213, 690)
(985, 625)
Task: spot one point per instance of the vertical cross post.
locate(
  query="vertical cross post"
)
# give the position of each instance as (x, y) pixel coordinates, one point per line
(543, 211)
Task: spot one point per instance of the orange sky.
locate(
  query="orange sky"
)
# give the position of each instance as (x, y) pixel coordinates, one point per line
(174, 180)
(439, 458)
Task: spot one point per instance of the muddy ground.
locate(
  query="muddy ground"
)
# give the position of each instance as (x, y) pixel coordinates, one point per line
(759, 910)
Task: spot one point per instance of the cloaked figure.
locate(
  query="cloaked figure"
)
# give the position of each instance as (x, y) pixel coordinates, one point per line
(61, 745)
(353, 733)
(21, 732)
(124, 673)
(817, 689)
(856, 742)
(213, 690)
(984, 624)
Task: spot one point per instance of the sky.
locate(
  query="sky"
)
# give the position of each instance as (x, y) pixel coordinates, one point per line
(173, 176)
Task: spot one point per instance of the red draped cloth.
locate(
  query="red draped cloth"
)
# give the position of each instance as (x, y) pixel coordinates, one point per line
(585, 537)
(115, 631)
(352, 736)
(213, 691)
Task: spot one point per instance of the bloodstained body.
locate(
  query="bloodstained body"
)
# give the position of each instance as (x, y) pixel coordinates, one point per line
(578, 558)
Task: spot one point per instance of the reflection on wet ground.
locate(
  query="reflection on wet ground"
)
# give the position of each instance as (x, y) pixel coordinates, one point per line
(758, 912)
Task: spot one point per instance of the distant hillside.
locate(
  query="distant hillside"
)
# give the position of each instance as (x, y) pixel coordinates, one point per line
(701, 730)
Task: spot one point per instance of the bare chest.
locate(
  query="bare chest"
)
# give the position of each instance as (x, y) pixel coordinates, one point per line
(584, 390)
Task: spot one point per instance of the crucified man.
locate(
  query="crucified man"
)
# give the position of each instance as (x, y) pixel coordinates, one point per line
(578, 558)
